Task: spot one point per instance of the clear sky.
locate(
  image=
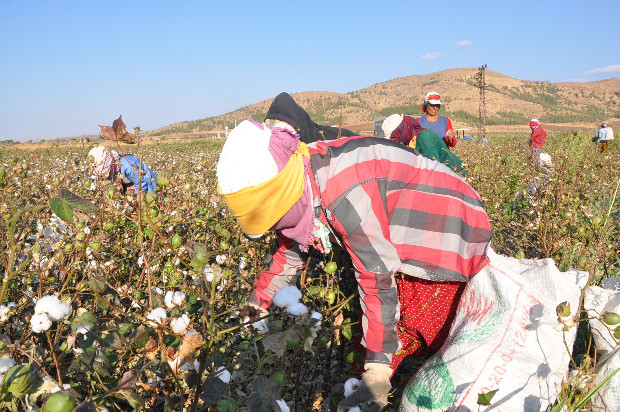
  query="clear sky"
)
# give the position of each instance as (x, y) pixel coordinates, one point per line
(68, 66)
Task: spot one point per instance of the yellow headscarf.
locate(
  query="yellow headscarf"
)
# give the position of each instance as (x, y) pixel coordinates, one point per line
(258, 208)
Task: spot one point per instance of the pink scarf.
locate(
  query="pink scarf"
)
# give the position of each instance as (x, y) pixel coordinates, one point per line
(108, 165)
(296, 224)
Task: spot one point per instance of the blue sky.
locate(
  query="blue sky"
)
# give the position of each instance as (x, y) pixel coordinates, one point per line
(68, 66)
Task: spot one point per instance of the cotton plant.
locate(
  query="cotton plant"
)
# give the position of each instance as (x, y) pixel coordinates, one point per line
(48, 309)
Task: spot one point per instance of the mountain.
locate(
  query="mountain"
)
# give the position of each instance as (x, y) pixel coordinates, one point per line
(509, 101)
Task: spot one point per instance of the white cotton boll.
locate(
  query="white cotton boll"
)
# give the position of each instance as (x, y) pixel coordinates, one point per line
(155, 382)
(220, 259)
(355, 409)
(186, 366)
(350, 386)
(169, 299)
(223, 374)
(83, 330)
(174, 364)
(56, 388)
(5, 311)
(288, 295)
(179, 325)
(316, 316)
(261, 326)
(283, 406)
(6, 363)
(178, 298)
(242, 263)
(40, 322)
(209, 275)
(297, 309)
(157, 316)
(54, 307)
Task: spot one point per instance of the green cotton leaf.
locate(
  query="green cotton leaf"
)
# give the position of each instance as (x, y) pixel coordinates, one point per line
(266, 388)
(213, 389)
(136, 401)
(97, 285)
(86, 320)
(227, 405)
(62, 209)
(347, 332)
(67, 202)
(258, 404)
(140, 337)
(484, 399)
(76, 202)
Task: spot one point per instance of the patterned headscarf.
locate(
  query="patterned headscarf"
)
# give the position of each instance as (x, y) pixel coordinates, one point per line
(263, 175)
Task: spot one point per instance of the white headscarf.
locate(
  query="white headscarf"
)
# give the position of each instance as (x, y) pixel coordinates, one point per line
(245, 159)
(390, 124)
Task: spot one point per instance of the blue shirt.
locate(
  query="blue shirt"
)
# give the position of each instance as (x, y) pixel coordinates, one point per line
(129, 167)
(602, 134)
(439, 126)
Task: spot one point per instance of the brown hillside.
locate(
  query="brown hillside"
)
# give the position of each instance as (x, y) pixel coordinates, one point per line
(505, 96)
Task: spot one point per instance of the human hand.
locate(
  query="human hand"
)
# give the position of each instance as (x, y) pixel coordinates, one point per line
(372, 395)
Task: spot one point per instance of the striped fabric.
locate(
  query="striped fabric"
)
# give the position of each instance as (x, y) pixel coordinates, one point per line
(393, 210)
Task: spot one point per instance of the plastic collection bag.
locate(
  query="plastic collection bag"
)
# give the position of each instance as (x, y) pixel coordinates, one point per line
(597, 301)
(504, 338)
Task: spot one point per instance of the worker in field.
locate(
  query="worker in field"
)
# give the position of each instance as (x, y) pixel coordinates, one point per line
(432, 120)
(604, 138)
(285, 109)
(408, 131)
(415, 233)
(133, 176)
(537, 138)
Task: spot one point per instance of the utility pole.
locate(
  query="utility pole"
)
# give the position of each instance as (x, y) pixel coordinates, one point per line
(482, 108)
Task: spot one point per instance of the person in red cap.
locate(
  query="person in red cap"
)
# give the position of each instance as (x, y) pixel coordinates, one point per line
(537, 139)
(432, 120)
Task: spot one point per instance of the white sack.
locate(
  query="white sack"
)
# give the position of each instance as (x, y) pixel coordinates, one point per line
(503, 338)
(596, 301)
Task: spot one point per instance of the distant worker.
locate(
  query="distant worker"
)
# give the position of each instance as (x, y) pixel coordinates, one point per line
(285, 109)
(408, 131)
(432, 120)
(109, 165)
(603, 138)
(484, 138)
(537, 139)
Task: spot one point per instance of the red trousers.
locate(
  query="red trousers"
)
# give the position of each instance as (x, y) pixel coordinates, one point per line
(427, 310)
